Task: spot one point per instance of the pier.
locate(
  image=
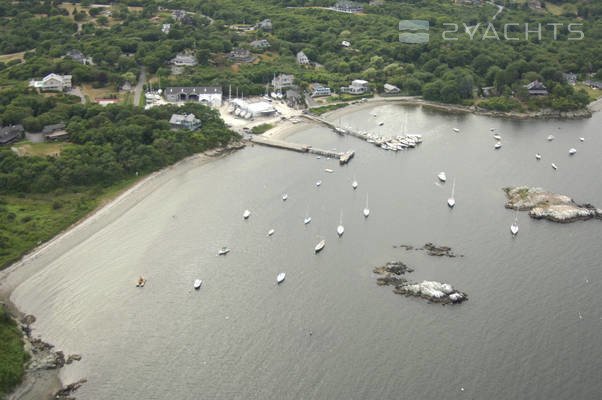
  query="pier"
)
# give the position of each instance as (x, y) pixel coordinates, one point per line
(303, 148)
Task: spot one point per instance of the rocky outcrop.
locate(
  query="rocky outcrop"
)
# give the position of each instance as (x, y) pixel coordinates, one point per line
(432, 250)
(390, 275)
(542, 204)
(66, 392)
(434, 291)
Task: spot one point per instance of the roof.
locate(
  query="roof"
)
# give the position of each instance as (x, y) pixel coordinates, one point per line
(292, 94)
(194, 90)
(388, 86)
(178, 119)
(10, 133)
(536, 85)
(48, 129)
(359, 82)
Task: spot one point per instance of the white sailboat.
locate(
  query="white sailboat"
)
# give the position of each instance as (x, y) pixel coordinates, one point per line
(497, 137)
(366, 209)
(514, 226)
(442, 177)
(550, 138)
(582, 139)
(284, 197)
(280, 278)
(572, 151)
(307, 220)
(554, 166)
(197, 284)
(318, 183)
(498, 145)
(271, 232)
(340, 228)
(223, 251)
(354, 184)
(538, 156)
(455, 130)
(451, 202)
(246, 214)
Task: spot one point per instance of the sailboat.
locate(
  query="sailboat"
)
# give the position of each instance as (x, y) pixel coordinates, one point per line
(340, 228)
(284, 197)
(307, 218)
(280, 278)
(451, 202)
(514, 226)
(366, 209)
(497, 145)
(320, 246)
(271, 232)
(223, 251)
(246, 214)
(550, 138)
(318, 183)
(572, 151)
(354, 184)
(197, 284)
(538, 156)
(442, 177)
(455, 130)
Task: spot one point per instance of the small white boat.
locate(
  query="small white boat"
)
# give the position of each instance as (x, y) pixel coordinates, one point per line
(223, 251)
(340, 228)
(140, 282)
(451, 202)
(307, 220)
(381, 123)
(246, 214)
(554, 166)
(374, 115)
(318, 183)
(320, 246)
(442, 177)
(197, 284)
(572, 151)
(280, 278)
(366, 209)
(455, 130)
(328, 170)
(538, 156)
(497, 137)
(550, 138)
(318, 157)
(354, 185)
(271, 232)
(284, 197)
(514, 226)
(582, 139)
(498, 145)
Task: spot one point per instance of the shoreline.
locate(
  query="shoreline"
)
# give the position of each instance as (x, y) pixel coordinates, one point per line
(46, 383)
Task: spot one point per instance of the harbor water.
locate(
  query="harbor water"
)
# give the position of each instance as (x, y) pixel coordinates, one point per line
(530, 329)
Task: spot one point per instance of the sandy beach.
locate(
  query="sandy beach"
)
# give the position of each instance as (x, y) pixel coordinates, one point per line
(44, 383)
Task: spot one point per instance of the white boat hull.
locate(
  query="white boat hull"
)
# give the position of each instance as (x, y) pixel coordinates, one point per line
(320, 246)
(366, 212)
(514, 229)
(280, 278)
(197, 284)
(451, 202)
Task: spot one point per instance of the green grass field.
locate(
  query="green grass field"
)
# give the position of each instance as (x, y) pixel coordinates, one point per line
(12, 355)
(261, 128)
(324, 109)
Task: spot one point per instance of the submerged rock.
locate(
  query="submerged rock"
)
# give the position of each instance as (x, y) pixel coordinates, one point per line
(542, 204)
(390, 273)
(434, 291)
(66, 392)
(438, 251)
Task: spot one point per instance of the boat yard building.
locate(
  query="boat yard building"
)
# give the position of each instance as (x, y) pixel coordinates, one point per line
(208, 95)
(183, 121)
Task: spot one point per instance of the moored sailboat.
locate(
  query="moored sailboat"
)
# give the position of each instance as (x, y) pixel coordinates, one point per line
(451, 202)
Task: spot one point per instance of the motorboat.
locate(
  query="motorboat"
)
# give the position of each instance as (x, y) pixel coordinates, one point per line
(320, 246)
(246, 214)
(582, 139)
(140, 282)
(280, 278)
(554, 166)
(442, 177)
(271, 232)
(284, 197)
(572, 151)
(330, 171)
(455, 130)
(498, 145)
(538, 156)
(550, 138)
(223, 251)
(197, 284)
(318, 183)
(451, 202)
(307, 220)
(497, 137)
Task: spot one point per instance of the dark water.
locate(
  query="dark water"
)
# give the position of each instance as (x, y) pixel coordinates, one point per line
(520, 335)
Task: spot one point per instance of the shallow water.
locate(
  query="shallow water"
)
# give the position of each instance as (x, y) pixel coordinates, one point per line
(520, 335)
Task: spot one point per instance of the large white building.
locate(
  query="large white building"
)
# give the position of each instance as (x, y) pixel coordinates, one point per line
(208, 95)
(53, 82)
(358, 86)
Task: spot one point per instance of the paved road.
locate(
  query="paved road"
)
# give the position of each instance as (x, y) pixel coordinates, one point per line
(139, 86)
(500, 9)
(77, 92)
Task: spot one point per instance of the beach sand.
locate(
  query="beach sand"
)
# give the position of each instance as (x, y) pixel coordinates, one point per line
(43, 384)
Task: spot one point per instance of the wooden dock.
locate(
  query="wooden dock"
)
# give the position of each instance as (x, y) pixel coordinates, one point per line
(301, 148)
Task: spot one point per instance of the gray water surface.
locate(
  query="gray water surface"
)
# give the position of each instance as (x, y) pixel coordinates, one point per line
(520, 334)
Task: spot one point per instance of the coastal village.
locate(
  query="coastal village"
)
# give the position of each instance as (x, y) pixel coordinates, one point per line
(110, 108)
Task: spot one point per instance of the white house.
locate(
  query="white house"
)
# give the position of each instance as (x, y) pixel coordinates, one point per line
(318, 90)
(358, 86)
(208, 95)
(182, 59)
(282, 81)
(302, 58)
(345, 43)
(183, 121)
(53, 82)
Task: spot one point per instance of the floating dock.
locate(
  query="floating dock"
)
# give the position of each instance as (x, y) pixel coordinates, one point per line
(302, 148)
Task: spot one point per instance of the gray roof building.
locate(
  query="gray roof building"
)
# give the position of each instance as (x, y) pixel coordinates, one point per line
(10, 134)
(184, 121)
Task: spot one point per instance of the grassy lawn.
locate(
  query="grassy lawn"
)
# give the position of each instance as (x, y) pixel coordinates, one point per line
(41, 149)
(553, 8)
(94, 94)
(596, 94)
(324, 109)
(261, 128)
(27, 221)
(12, 355)
(14, 56)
